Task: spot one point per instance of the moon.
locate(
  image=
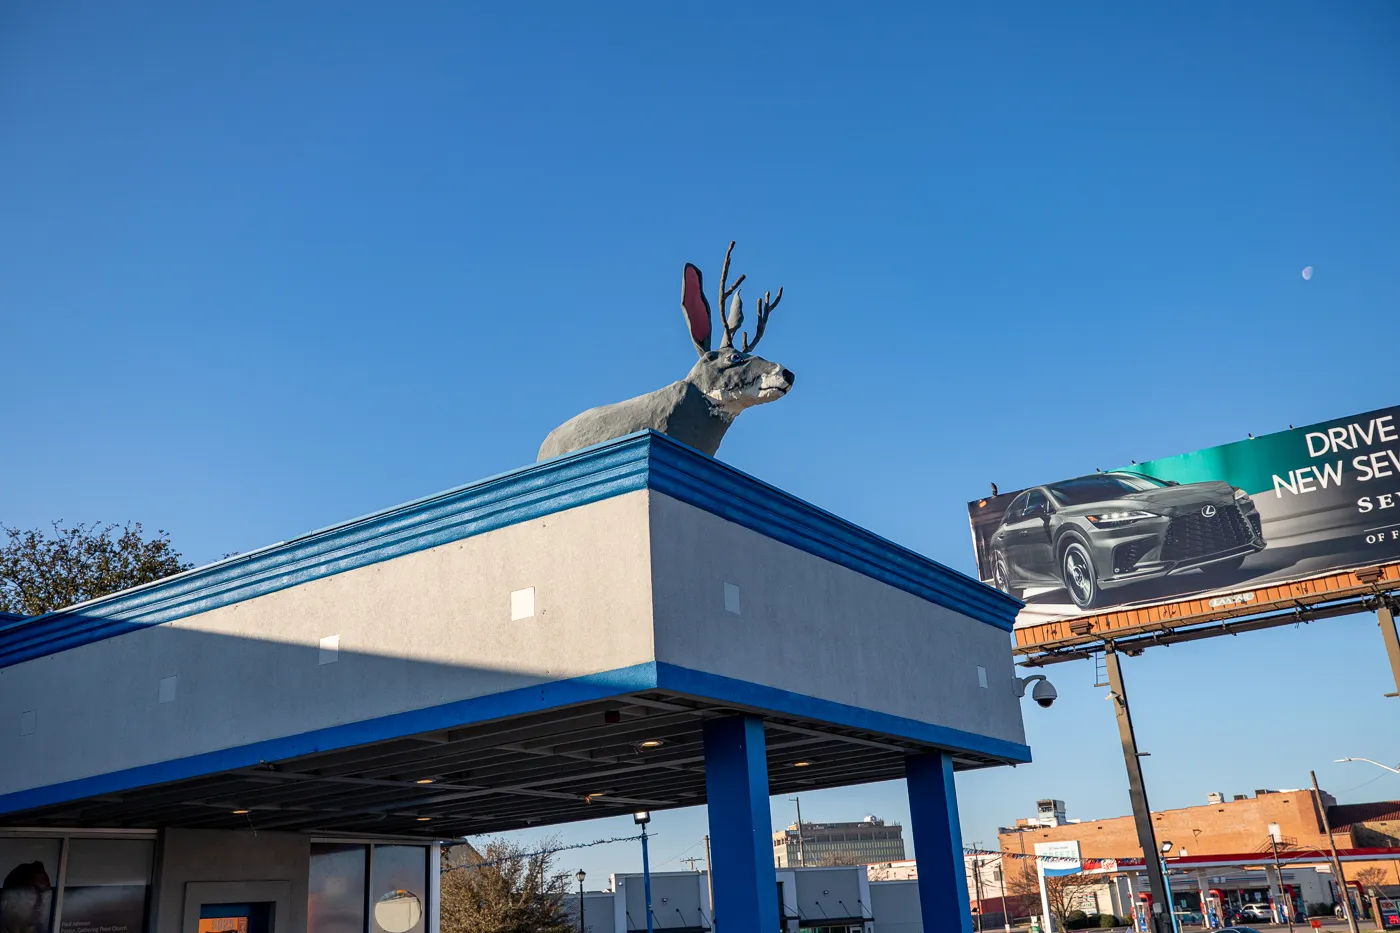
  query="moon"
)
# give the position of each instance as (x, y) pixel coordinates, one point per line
(1307, 273)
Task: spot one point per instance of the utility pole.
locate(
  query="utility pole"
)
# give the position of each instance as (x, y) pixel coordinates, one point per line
(710, 881)
(1283, 892)
(977, 881)
(801, 843)
(1336, 862)
(1137, 792)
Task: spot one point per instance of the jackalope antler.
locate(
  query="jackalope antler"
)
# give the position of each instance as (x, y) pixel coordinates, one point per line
(735, 318)
(699, 409)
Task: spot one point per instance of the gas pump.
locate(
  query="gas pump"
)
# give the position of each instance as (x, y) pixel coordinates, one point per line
(1142, 913)
(1212, 909)
(1288, 903)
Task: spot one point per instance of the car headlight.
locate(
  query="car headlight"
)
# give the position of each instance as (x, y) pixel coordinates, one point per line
(1240, 494)
(1114, 519)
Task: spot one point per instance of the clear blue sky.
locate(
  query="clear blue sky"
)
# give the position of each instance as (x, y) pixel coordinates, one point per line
(264, 269)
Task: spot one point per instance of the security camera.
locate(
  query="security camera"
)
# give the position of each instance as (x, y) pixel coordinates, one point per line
(1043, 692)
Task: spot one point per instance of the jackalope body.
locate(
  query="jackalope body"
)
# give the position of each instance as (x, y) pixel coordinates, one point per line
(699, 409)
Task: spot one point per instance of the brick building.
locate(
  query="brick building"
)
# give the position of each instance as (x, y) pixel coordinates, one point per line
(1221, 826)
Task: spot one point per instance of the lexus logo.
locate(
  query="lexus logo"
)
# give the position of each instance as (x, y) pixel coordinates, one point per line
(1208, 511)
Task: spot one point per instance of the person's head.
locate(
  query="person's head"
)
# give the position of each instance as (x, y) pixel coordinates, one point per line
(25, 899)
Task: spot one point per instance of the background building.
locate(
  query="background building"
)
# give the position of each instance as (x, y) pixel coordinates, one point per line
(1227, 844)
(823, 844)
(1238, 824)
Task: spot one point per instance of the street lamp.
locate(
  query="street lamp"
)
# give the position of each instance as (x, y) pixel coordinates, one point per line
(1167, 883)
(580, 876)
(642, 818)
(1370, 762)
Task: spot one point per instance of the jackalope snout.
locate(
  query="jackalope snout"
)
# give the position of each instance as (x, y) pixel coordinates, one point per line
(701, 407)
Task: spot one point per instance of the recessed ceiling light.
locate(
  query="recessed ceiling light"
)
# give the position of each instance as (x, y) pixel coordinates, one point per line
(801, 764)
(424, 819)
(424, 781)
(653, 743)
(240, 812)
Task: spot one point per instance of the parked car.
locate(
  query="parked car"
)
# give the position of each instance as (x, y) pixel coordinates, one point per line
(1097, 532)
(1257, 912)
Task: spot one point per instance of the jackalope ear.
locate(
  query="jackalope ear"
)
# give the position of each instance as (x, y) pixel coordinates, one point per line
(696, 307)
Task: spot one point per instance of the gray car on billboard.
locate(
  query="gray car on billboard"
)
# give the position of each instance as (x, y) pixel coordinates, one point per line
(1094, 533)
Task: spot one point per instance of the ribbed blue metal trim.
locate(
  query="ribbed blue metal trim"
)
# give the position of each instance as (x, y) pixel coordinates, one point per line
(540, 489)
(620, 466)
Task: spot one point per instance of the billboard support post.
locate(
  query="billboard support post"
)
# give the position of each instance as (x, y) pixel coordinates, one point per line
(1137, 793)
(1385, 615)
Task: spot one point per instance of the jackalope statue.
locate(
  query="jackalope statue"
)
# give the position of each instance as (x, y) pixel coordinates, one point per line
(701, 407)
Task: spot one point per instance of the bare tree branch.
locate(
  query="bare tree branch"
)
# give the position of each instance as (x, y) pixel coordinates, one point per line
(504, 889)
(1064, 894)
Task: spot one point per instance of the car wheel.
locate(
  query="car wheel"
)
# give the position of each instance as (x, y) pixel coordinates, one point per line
(1001, 576)
(1077, 572)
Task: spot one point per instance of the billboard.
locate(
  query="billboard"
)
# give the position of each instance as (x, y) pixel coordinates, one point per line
(1278, 507)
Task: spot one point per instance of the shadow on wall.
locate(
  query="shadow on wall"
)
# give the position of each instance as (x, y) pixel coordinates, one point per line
(170, 726)
(241, 722)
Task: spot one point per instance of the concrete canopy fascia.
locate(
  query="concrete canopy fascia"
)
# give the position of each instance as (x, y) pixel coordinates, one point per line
(560, 694)
(645, 460)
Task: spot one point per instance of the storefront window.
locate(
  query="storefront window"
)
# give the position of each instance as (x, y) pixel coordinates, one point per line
(337, 889)
(106, 885)
(399, 889)
(394, 901)
(29, 869)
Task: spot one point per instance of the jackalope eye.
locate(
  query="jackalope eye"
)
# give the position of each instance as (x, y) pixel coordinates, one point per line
(736, 357)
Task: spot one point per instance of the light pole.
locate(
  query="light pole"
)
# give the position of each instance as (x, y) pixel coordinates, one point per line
(1370, 762)
(642, 818)
(1167, 883)
(1287, 905)
(580, 876)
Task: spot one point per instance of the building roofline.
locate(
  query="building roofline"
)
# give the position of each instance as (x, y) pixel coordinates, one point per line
(645, 460)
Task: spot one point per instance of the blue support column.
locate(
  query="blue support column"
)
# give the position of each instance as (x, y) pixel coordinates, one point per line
(741, 828)
(933, 816)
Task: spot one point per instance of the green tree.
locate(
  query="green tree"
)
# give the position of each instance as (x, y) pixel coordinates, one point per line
(41, 572)
(504, 889)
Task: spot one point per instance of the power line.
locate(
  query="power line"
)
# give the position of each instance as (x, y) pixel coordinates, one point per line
(487, 863)
(679, 856)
